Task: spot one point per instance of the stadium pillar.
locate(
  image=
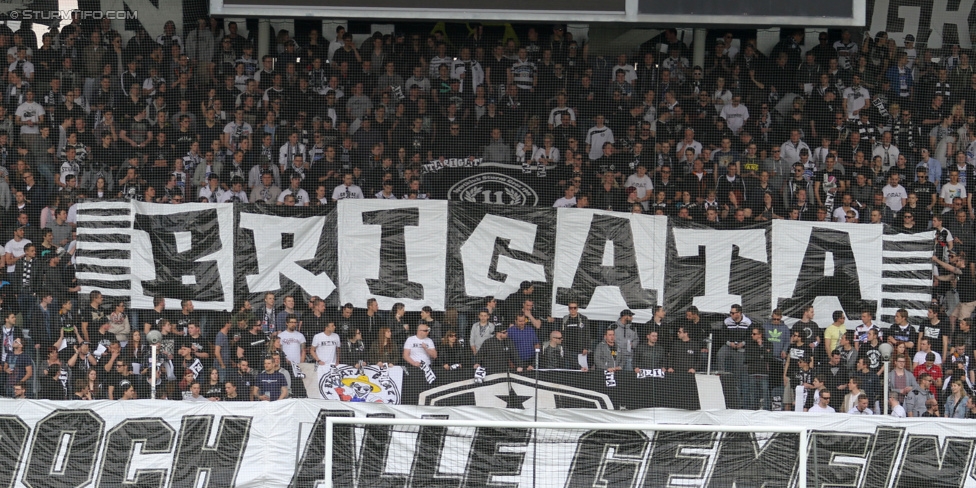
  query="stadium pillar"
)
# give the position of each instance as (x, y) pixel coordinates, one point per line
(698, 47)
(264, 37)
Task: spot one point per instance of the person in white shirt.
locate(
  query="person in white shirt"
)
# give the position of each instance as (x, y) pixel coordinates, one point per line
(556, 114)
(643, 184)
(924, 348)
(292, 341)
(896, 410)
(14, 249)
(630, 74)
(347, 189)
(460, 71)
(419, 80)
(23, 63)
(290, 149)
(30, 114)
(861, 408)
(236, 193)
(790, 150)
(823, 404)
(387, 192)
(854, 98)
(895, 195)
(419, 348)
(596, 137)
(688, 142)
(296, 190)
(736, 115)
(568, 200)
(193, 395)
(325, 348)
(841, 212)
(888, 151)
(953, 189)
(212, 192)
(847, 50)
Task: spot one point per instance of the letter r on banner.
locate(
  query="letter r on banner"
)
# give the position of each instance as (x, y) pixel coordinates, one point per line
(275, 261)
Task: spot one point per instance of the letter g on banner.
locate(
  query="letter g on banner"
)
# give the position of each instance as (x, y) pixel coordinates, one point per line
(488, 272)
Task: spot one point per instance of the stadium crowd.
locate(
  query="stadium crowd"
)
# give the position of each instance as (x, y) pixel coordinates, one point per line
(850, 130)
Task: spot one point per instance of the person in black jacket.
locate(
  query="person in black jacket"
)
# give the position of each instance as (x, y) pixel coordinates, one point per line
(578, 335)
(354, 350)
(609, 195)
(497, 354)
(758, 356)
(651, 354)
(451, 353)
(686, 353)
(26, 279)
(835, 377)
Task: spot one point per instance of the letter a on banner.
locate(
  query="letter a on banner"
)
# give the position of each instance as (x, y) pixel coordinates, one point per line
(599, 265)
(817, 261)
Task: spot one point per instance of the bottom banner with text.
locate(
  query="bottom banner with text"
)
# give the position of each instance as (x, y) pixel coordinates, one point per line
(158, 443)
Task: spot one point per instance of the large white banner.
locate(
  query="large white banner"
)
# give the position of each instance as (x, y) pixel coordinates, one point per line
(282, 444)
(400, 251)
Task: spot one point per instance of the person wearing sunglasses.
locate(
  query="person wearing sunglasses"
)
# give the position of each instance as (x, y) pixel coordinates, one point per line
(822, 405)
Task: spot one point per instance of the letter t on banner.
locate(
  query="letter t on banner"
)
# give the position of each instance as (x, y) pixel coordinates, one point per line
(719, 246)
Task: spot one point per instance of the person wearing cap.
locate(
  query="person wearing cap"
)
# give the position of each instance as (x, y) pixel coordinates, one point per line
(497, 354)
(294, 190)
(626, 338)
